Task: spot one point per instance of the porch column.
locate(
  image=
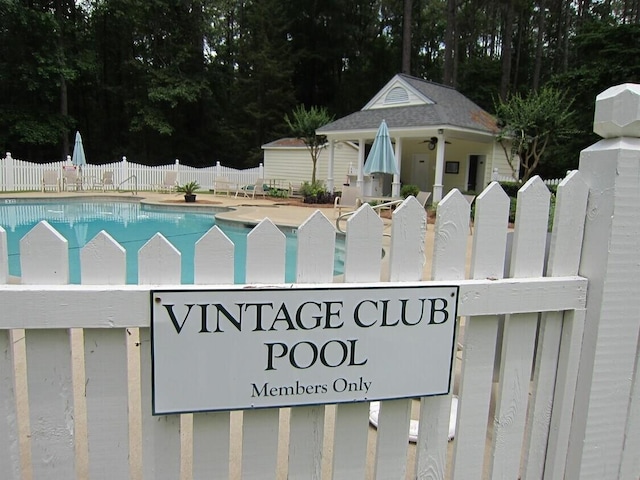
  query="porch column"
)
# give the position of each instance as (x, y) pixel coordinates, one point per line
(439, 179)
(395, 185)
(361, 148)
(330, 183)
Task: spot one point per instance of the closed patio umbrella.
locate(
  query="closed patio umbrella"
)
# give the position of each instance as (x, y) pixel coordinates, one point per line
(78, 158)
(381, 158)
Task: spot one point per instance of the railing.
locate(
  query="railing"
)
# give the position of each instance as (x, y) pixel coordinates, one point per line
(376, 208)
(135, 184)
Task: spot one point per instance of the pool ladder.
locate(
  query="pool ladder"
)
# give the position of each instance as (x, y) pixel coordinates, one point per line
(135, 184)
(376, 208)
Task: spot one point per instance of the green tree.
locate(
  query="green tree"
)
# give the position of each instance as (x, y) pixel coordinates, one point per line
(530, 123)
(303, 124)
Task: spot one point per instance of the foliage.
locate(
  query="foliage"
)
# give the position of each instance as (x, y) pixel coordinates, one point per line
(212, 80)
(407, 190)
(278, 193)
(303, 125)
(315, 192)
(528, 124)
(188, 188)
(511, 188)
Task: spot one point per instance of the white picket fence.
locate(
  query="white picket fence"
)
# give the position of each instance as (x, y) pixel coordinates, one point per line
(547, 382)
(20, 175)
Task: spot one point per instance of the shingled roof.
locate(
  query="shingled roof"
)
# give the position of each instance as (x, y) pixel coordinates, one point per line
(449, 109)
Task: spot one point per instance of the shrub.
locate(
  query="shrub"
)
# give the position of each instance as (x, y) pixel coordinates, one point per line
(315, 192)
(407, 190)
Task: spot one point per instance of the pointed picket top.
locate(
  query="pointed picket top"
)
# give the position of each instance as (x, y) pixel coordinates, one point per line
(159, 262)
(530, 235)
(103, 261)
(568, 224)
(266, 248)
(451, 236)
(408, 231)
(4, 257)
(491, 223)
(44, 256)
(213, 258)
(316, 249)
(363, 246)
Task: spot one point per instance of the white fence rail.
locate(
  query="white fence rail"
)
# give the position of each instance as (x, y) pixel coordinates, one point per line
(19, 175)
(546, 372)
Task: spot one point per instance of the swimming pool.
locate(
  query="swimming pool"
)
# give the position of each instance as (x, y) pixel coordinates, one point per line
(131, 224)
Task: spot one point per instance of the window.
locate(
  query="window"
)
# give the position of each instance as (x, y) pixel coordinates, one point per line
(397, 95)
(451, 167)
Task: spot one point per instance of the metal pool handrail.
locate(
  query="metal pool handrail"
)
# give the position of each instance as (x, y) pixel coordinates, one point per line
(135, 184)
(380, 206)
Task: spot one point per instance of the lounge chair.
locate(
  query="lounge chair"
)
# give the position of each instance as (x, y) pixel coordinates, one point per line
(70, 178)
(256, 188)
(51, 180)
(169, 183)
(349, 199)
(106, 180)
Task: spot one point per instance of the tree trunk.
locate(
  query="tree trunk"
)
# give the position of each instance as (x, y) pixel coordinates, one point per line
(539, 40)
(506, 49)
(406, 37)
(449, 43)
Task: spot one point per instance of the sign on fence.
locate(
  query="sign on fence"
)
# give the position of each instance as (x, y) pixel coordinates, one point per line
(265, 347)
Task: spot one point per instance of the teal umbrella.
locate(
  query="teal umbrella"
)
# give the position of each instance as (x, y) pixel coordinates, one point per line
(381, 158)
(78, 158)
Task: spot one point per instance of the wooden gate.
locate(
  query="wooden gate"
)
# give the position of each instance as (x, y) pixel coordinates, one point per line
(75, 360)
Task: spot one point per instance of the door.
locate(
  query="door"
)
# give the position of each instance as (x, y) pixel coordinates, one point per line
(475, 175)
(420, 172)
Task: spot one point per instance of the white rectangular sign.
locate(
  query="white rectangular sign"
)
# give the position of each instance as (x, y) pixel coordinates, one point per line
(241, 348)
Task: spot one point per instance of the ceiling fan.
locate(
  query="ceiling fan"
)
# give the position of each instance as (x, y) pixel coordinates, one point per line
(432, 142)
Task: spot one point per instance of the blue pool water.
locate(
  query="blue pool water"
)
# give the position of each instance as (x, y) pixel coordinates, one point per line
(131, 224)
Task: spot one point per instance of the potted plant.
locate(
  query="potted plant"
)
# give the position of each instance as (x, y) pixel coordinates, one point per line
(189, 191)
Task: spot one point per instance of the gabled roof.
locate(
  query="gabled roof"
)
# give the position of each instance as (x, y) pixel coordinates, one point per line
(427, 104)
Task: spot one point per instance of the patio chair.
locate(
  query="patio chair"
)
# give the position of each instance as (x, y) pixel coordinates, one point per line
(169, 183)
(423, 198)
(222, 185)
(51, 180)
(106, 180)
(349, 199)
(70, 179)
(256, 188)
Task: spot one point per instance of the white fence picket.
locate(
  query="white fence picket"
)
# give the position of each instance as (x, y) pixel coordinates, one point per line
(449, 254)
(213, 258)
(4, 257)
(266, 249)
(103, 261)
(406, 261)
(568, 229)
(363, 249)
(50, 393)
(527, 260)
(213, 264)
(9, 451)
(480, 335)
(316, 246)
(158, 263)
(44, 256)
